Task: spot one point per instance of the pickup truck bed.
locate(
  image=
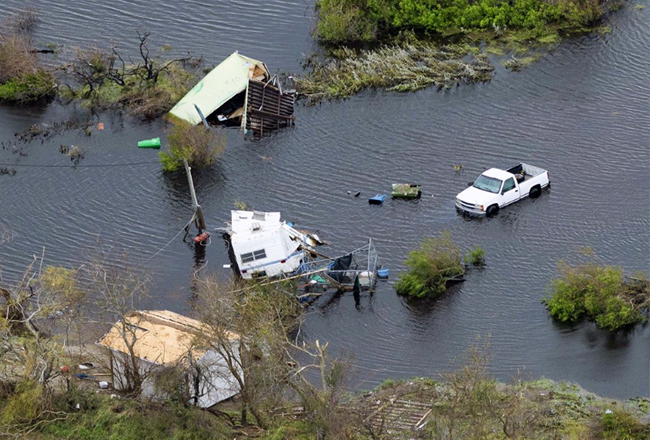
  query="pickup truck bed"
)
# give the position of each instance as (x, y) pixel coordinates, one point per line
(525, 172)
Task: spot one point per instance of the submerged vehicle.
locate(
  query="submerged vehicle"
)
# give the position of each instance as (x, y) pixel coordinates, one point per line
(496, 188)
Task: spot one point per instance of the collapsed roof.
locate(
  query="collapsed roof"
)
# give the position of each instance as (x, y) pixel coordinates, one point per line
(265, 106)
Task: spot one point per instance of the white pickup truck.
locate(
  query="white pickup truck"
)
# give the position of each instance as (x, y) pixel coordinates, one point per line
(497, 188)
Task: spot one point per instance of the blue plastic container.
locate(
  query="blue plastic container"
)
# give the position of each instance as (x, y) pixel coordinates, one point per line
(377, 200)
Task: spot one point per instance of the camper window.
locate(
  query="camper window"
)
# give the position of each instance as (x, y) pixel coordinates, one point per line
(252, 256)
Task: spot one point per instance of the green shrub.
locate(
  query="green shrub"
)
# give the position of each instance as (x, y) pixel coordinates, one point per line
(133, 420)
(475, 257)
(600, 293)
(430, 267)
(199, 146)
(621, 425)
(24, 406)
(364, 20)
(28, 87)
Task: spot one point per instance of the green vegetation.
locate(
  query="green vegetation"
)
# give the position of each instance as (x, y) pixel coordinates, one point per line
(405, 41)
(431, 267)
(199, 146)
(516, 64)
(599, 292)
(148, 88)
(404, 67)
(105, 418)
(475, 257)
(22, 76)
(343, 21)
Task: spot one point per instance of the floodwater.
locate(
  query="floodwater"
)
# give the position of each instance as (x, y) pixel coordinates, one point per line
(582, 112)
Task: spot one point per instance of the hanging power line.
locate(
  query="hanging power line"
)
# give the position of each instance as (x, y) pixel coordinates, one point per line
(78, 166)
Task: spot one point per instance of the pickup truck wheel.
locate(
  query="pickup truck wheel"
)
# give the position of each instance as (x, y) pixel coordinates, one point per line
(492, 210)
(535, 192)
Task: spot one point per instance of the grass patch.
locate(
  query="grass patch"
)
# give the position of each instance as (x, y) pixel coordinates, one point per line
(28, 87)
(516, 64)
(22, 77)
(401, 68)
(475, 257)
(133, 420)
(622, 425)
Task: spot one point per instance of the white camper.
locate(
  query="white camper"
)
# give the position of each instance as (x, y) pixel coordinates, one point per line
(264, 246)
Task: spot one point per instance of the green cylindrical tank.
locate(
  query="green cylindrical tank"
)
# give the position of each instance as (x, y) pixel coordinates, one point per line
(150, 143)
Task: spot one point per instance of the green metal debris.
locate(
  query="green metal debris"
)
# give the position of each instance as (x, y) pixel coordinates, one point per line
(406, 190)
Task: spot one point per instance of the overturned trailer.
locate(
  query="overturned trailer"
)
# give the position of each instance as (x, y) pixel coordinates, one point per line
(239, 91)
(261, 246)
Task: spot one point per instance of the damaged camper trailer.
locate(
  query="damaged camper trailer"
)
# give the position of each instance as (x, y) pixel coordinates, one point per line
(239, 91)
(260, 245)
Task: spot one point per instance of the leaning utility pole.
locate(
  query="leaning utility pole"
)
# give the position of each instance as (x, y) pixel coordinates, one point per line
(199, 220)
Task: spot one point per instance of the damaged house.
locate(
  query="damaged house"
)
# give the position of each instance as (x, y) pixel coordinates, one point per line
(162, 340)
(239, 91)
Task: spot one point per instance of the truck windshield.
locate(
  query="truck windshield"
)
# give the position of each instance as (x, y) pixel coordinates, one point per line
(489, 184)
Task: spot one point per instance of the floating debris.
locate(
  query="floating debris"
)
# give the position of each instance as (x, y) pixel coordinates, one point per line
(47, 130)
(261, 246)
(239, 91)
(377, 200)
(150, 143)
(406, 191)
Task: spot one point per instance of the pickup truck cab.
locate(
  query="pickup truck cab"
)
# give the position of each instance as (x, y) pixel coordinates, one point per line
(497, 188)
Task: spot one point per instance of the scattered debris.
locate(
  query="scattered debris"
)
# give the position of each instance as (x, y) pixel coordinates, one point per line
(261, 246)
(239, 91)
(47, 130)
(100, 126)
(9, 171)
(150, 143)
(377, 200)
(75, 152)
(406, 191)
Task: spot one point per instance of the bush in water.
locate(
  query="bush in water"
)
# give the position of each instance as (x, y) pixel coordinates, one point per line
(200, 146)
(599, 292)
(431, 266)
